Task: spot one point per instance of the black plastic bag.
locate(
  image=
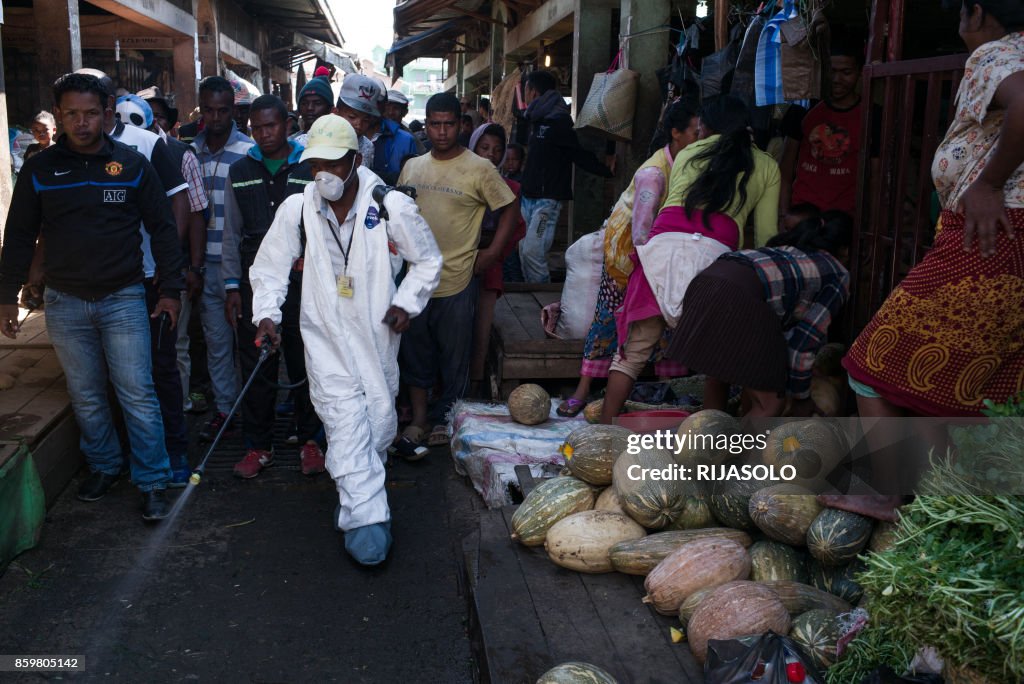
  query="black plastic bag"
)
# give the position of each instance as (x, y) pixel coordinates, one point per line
(759, 658)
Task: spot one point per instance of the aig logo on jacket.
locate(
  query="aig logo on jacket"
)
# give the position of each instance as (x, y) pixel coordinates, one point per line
(114, 196)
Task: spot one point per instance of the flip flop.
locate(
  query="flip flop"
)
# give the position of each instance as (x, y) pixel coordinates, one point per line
(438, 436)
(571, 407)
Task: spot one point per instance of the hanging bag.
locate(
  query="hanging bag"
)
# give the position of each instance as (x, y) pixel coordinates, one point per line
(716, 72)
(610, 104)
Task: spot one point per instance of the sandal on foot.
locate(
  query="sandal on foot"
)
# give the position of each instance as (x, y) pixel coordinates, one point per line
(571, 407)
(438, 436)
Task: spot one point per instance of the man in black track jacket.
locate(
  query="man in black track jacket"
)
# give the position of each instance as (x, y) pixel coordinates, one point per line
(257, 185)
(86, 196)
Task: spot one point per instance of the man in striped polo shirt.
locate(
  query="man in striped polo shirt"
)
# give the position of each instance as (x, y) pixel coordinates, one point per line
(218, 146)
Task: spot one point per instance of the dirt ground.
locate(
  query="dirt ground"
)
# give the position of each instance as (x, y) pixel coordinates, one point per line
(248, 584)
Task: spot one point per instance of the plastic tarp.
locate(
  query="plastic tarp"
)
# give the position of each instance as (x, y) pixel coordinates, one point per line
(22, 506)
(487, 445)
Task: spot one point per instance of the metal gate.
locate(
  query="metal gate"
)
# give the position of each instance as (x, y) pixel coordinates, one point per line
(894, 224)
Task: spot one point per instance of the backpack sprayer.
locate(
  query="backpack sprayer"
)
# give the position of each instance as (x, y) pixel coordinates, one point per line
(266, 349)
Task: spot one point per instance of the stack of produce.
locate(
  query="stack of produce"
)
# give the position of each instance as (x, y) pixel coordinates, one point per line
(737, 559)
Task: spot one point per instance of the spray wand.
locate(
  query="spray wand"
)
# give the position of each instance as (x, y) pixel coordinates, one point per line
(266, 349)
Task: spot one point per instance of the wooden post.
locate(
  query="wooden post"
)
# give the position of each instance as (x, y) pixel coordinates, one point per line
(721, 23)
(75, 35)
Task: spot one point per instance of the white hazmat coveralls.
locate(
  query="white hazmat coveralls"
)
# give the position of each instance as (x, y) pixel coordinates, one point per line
(351, 354)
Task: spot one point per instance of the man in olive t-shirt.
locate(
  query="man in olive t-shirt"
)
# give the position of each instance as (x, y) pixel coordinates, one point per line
(454, 187)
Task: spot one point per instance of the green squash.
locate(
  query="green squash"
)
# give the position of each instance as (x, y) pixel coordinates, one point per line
(591, 451)
(696, 514)
(548, 503)
(770, 560)
(837, 537)
(813, 447)
(576, 673)
(730, 501)
(652, 502)
(838, 581)
(707, 434)
(784, 512)
(817, 633)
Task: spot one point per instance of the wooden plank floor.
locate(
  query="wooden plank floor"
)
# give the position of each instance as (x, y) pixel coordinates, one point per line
(530, 615)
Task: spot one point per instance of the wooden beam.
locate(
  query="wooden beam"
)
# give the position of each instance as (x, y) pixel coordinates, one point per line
(158, 14)
(538, 23)
(721, 23)
(477, 15)
(477, 66)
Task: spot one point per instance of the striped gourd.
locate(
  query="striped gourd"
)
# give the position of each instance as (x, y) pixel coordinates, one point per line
(690, 604)
(784, 512)
(770, 560)
(548, 503)
(838, 580)
(706, 435)
(733, 610)
(800, 598)
(837, 537)
(692, 567)
(576, 673)
(641, 556)
(817, 632)
(651, 501)
(583, 540)
(590, 451)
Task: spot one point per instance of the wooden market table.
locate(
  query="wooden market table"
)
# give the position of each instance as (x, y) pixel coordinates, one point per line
(528, 615)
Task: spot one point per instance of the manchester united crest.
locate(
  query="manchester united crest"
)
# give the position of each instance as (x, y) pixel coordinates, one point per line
(114, 168)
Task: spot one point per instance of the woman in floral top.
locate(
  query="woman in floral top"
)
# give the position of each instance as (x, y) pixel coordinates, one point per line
(952, 333)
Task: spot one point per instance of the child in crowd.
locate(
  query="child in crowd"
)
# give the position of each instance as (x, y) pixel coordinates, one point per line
(488, 141)
(512, 167)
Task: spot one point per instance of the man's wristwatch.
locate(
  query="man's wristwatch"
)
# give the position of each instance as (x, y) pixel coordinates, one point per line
(198, 270)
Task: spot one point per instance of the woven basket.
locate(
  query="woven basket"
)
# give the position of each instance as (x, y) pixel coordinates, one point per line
(611, 103)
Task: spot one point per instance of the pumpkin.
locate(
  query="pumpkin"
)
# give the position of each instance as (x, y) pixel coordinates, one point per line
(770, 560)
(689, 605)
(836, 537)
(707, 434)
(576, 673)
(693, 566)
(735, 609)
(549, 502)
(817, 632)
(784, 512)
(581, 541)
(608, 500)
(651, 501)
(800, 598)
(529, 404)
(641, 556)
(730, 502)
(813, 447)
(592, 411)
(883, 537)
(590, 451)
(838, 581)
(696, 514)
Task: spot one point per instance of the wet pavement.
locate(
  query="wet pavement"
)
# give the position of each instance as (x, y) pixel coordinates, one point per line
(248, 584)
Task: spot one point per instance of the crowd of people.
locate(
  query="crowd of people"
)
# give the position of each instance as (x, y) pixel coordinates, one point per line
(285, 231)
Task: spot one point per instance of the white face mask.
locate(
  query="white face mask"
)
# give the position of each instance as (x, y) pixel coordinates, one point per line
(330, 187)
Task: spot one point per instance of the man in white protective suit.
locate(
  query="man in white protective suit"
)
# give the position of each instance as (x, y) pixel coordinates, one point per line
(351, 315)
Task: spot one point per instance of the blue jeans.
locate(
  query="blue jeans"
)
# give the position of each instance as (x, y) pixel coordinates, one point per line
(220, 340)
(110, 338)
(541, 217)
